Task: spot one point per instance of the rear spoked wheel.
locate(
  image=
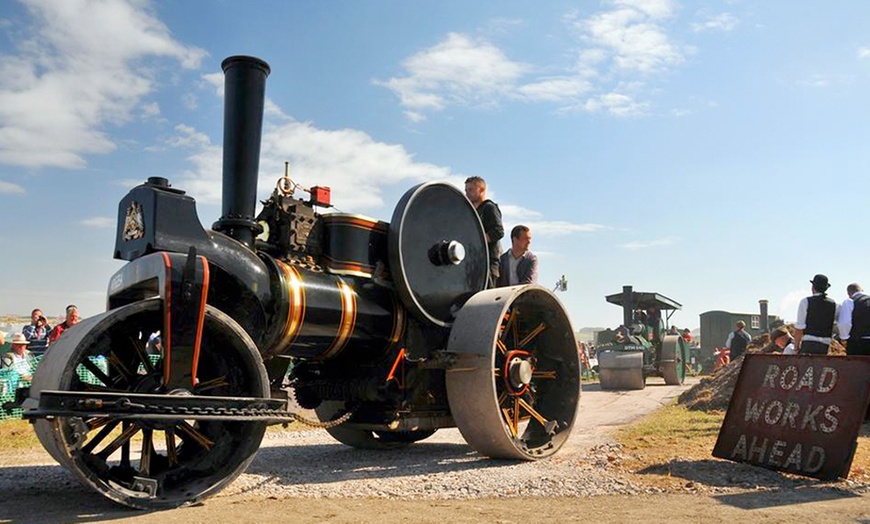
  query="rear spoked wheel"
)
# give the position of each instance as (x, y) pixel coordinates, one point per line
(515, 387)
(360, 438)
(151, 463)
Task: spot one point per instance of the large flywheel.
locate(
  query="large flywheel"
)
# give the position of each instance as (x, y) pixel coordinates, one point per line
(150, 463)
(437, 251)
(515, 386)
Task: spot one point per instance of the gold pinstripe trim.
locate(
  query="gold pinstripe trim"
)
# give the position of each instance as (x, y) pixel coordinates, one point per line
(398, 321)
(296, 305)
(348, 319)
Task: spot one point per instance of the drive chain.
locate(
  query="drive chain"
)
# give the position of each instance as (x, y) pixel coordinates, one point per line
(273, 415)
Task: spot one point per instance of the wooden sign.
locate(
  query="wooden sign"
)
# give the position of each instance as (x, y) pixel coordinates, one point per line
(796, 413)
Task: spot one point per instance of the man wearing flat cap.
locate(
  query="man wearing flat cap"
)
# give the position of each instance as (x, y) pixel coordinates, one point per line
(815, 320)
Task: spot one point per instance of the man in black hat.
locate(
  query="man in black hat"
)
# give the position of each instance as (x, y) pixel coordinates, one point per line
(815, 320)
(853, 321)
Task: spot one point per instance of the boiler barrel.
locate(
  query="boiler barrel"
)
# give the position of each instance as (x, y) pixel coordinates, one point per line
(325, 315)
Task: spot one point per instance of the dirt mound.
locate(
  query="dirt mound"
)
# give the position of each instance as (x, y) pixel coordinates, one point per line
(713, 393)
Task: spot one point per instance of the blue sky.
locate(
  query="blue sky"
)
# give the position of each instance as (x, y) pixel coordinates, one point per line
(711, 151)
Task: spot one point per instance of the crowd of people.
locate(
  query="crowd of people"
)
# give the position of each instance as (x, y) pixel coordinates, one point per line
(26, 347)
(821, 322)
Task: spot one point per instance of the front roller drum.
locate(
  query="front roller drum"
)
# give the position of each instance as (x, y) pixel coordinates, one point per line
(515, 386)
(150, 463)
(621, 370)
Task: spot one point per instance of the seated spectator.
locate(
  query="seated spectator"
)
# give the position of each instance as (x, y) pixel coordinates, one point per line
(782, 340)
(687, 336)
(37, 331)
(19, 359)
(72, 318)
(155, 344)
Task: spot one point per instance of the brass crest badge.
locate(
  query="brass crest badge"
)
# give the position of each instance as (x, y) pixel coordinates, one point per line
(134, 223)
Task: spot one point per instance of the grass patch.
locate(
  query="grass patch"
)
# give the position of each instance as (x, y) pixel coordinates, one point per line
(675, 434)
(17, 435)
(673, 431)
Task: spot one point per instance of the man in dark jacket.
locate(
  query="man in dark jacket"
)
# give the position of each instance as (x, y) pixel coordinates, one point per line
(490, 216)
(738, 340)
(815, 319)
(518, 265)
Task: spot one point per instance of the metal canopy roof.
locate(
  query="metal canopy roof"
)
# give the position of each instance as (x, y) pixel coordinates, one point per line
(643, 300)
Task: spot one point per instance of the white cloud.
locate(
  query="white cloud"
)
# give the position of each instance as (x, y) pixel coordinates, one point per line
(788, 305)
(98, 222)
(513, 215)
(79, 72)
(863, 52)
(458, 71)
(633, 246)
(10, 188)
(625, 42)
(151, 110)
(720, 22)
(632, 36)
(355, 166)
(555, 89)
(616, 104)
(517, 213)
(560, 227)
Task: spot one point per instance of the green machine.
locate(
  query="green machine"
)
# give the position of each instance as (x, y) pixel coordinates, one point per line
(640, 347)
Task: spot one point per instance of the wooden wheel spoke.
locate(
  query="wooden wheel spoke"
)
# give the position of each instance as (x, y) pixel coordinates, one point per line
(97, 372)
(121, 367)
(119, 441)
(109, 426)
(211, 384)
(509, 419)
(142, 354)
(544, 374)
(125, 449)
(516, 413)
(171, 449)
(195, 435)
(501, 346)
(531, 336)
(97, 422)
(96, 387)
(510, 326)
(502, 398)
(532, 411)
(147, 452)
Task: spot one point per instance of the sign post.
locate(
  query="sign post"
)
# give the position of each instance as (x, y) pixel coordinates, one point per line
(796, 413)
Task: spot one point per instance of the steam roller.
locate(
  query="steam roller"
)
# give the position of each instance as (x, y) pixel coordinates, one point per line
(385, 330)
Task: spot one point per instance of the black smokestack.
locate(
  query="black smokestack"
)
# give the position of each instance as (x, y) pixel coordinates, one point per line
(627, 306)
(244, 96)
(765, 326)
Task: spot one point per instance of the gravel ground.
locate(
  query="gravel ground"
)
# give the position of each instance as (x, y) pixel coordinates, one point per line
(310, 464)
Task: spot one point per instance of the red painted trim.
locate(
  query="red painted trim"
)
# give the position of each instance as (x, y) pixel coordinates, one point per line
(167, 324)
(200, 321)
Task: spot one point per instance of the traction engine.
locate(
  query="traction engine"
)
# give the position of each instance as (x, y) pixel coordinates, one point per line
(385, 330)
